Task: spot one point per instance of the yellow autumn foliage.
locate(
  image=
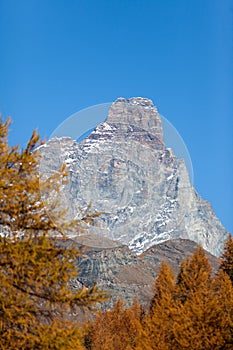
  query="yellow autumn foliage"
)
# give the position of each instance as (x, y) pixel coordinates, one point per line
(36, 298)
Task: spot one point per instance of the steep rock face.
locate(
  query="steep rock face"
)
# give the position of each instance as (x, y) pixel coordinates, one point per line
(124, 170)
(123, 274)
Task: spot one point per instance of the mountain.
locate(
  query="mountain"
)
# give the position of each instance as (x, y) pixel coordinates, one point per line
(126, 275)
(123, 170)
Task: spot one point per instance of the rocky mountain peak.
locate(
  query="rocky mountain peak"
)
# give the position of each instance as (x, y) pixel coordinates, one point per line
(139, 112)
(123, 170)
(136, 101)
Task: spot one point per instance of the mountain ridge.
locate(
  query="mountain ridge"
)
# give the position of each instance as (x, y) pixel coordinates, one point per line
(125, 171)
(126, 275)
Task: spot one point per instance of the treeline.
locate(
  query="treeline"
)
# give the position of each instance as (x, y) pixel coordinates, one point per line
(191, 310)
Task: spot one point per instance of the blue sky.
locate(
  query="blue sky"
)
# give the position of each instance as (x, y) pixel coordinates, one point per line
(58, 57)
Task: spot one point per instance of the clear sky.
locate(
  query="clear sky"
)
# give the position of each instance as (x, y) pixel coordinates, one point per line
(58, 57)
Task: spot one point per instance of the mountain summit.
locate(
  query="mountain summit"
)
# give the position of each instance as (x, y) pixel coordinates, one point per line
(124, 170)
(139, 112)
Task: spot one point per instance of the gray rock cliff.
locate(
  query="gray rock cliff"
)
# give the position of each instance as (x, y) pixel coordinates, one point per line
(126, 275)
(124, 170)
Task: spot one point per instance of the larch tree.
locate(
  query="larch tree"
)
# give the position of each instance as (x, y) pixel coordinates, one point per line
(35, 269)
(158, 323)
(223, 321)
(194, 275)
(115, 329)
(196, 326)
(227, 258)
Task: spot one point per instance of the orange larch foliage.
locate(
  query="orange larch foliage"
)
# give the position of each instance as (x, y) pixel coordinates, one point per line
(196, 312)
(158, 323)
(35, 271)
(223, 320)
(115, 329)
(198, 323)
(227, 258)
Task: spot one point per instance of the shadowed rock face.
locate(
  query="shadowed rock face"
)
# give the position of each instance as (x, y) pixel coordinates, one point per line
(123, 274)
(124, 170)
